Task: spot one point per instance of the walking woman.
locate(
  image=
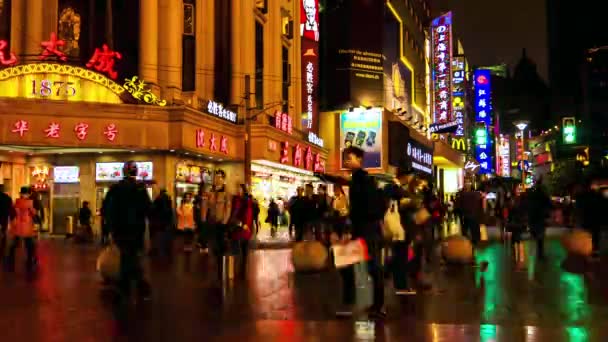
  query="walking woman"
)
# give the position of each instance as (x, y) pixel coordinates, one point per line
(185, 221)
(22, 228)
(340, 208)
(241, 219)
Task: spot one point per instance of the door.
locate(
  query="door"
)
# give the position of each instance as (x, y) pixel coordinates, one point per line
(62, 208)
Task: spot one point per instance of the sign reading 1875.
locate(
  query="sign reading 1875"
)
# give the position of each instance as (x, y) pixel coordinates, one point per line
(47, 88)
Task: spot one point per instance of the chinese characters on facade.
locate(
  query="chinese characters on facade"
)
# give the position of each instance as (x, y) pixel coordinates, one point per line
(218, 110)
(303, 157)
(442, 64)
(7, 58)
(283, 122)
(54, 130)
(214, 143)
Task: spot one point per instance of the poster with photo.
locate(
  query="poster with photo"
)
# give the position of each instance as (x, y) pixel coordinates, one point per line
(362, 128)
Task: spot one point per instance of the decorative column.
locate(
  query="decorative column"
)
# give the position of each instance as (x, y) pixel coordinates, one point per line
(17, 28)
(170, 48)
(238, 53)
(205, 43)
(148, 41)
(34, 24)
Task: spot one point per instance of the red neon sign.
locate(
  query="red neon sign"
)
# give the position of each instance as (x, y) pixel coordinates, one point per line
(297, 155)
(21, 127)
(200, 138)
(442, 64)
(308, 158)
(53, 130)
(213, 142)
(283, 122)
(111, 132)
(224, 145)
(284, 152)
(51, 48)
(103, 61)
(11, 60)
(82, 130)
(319, 165)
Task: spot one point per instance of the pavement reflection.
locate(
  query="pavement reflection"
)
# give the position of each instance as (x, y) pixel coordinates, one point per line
(540, 302)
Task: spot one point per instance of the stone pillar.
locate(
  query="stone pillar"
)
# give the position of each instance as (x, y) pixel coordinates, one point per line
(205, 41)
(34, 25)
(170, 48)
(238, 53)
(17, 28)
(148, 41)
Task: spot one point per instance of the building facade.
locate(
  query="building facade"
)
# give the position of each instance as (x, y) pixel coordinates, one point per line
(88, 85)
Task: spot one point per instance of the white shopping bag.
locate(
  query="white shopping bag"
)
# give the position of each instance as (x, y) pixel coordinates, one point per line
(350, 253)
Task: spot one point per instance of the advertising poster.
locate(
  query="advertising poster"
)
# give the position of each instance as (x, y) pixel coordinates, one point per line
(397, 77)
(66, 174)
(363, 128)
(309, 33)
(112, 172)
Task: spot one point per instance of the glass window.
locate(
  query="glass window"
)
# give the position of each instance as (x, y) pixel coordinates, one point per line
(286, 79)
(69, 31)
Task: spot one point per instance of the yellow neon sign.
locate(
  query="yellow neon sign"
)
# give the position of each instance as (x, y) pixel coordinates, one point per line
(403, 58)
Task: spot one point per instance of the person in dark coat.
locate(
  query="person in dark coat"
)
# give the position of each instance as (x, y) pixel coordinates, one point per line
(539, 208)
(127, 206)
(161, 224)
(367, 209)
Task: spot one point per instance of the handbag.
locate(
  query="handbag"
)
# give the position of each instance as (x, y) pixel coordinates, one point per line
(392, 228)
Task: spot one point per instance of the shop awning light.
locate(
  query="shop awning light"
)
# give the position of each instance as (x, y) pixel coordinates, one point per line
(282, 167)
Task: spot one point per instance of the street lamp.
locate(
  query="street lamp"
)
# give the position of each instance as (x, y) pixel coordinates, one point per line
(521, 126)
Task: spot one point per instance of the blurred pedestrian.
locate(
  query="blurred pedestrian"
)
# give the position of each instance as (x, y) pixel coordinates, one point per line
(185, 221)
(22, 228)
(6, 206)
(539, 209)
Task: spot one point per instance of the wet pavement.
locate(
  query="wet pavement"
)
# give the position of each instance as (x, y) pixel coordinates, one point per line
(66, 301)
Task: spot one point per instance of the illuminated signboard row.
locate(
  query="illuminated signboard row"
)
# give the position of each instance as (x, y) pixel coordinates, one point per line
(441, 29)
(112, 172)
(302, 157)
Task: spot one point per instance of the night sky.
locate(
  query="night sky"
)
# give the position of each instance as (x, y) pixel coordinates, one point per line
(494, 32)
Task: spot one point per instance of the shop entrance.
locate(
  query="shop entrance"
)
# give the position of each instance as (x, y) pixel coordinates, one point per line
(66, 202)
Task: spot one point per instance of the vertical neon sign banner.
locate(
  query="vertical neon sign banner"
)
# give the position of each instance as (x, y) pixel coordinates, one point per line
(310, 34)
(458, 94)
(483, 115)
(483, 96)
(441, 29)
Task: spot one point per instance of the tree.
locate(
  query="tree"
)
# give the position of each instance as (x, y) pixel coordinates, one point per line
(565, 174)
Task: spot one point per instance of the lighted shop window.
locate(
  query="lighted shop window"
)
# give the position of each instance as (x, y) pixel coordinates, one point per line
(69, 31)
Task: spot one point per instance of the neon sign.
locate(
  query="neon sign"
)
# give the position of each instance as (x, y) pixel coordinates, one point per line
(11, 60)
(309, 33)
(103, 61)
(21, 127)
(441, 29)
(303, 157)
(53, 130)
(314, 139)
(218, 110)
(51, 48)
(46, 88)
(111, 132)
(504, 156)
(483, 99)
(200, 141)
(458, 94)
(283, 122)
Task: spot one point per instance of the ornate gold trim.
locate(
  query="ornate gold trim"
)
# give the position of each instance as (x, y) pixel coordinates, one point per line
(137, 88)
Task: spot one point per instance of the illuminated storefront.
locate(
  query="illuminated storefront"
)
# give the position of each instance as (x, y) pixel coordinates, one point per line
(281, 162)
(67, 131)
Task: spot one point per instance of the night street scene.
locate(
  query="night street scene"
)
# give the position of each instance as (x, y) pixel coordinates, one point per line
(303, 170)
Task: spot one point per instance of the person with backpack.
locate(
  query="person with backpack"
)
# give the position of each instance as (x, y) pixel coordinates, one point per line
(367, 209)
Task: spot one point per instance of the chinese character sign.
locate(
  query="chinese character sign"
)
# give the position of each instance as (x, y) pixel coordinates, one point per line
(483, 96)
(309, 33)
(458, 94)
(441, 29)
(9, 59)
(484, 156)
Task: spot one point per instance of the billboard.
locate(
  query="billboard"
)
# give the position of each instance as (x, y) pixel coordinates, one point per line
(362, 128)
(309, 34)
(483, 96)
(397, 77)
(458, 94)
(441, 41)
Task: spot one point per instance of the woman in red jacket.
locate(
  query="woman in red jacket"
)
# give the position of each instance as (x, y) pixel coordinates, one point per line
(22, 228)
(242, 222)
